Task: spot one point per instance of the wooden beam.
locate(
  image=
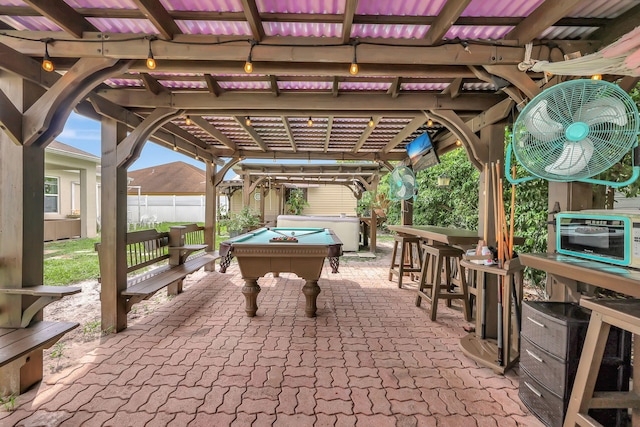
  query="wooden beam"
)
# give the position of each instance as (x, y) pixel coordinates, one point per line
(26, 67)
(394, 89)
(365, 102)
(349, 12)
(211, 130)
(155, 12)
(130, 148)
(252, 132)
(628, 83)
(365, 135)
(63, 16)
(516, 77)
(454, 88)
(212, 85)
(617, 27)
(448, 15)
(328, 137)
(410, 128)
(45, 119)
(468, 138)
(335, 87)
(253, 18)
(274, 85)
(151, 84)
(278, 49)
(547, 14)
(10, 119)
(287, 128)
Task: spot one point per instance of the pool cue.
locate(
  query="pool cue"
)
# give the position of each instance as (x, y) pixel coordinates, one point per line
(500, 240)
(485, 237)
(514, 293)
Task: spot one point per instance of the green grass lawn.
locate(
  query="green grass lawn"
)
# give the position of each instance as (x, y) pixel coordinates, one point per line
(72, 261)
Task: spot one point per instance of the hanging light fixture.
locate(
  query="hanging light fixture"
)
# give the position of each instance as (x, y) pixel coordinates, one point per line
(247, 121)
(596, 77)
(444, 180)
(47, 65)
(187, 121)
(151, 62)
(196, 156)
(175, 147)
(353, 69)
(248, 66)
(429, 122)
(371, 122)
(309, 122)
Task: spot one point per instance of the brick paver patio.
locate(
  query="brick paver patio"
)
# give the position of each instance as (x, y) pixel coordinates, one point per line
(370, 358)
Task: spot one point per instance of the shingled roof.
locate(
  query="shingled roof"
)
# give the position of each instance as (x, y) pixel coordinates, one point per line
(177, 178)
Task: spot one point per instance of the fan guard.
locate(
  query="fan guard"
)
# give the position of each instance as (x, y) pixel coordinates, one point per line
(575, 130)
(402, 184)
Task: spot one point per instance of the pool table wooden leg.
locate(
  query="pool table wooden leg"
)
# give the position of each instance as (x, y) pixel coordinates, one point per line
(311, 291)
(334, 262)
(251, 291)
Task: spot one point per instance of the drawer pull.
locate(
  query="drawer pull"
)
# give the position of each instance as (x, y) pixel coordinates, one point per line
(535, 356)
(535, 322)
(533, 389)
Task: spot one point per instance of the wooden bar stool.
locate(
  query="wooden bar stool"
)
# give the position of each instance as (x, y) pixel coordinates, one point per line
(625, 314)
(436, 259)
(409, 262)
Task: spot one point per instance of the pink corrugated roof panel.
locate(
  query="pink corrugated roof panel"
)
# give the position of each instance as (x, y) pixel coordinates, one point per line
(108, 4)
(501, 7)
(476, 32)
(423, 86)
(31, 23)
(603, 8)
(302, 29)
(288, 85)
(120, 25)
(301, 6)
(222, 28)
(389, 31)
(478, 86)
(124, 82)
(245, 85)
(204, 5)
(177, 84)
(364, 86)
(411, 8)
(566, 32)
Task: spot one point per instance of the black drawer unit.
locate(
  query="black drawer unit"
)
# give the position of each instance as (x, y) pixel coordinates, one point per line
(552, 338)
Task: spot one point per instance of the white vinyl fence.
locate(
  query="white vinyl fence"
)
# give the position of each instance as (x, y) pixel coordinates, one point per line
(150, 210)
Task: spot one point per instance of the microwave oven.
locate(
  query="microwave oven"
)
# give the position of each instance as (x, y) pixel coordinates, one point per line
(611, 236)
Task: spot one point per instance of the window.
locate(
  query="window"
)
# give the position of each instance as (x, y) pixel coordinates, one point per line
(50, 194)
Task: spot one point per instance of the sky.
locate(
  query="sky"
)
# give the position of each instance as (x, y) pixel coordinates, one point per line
(84, 133)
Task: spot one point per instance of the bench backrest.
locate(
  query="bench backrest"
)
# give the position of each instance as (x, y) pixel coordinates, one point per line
(146, 247)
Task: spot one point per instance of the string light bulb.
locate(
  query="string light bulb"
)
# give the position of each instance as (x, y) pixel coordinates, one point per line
(247, 121)
(309, 122)
(248, 66)
(47, 64)
(175, 147)
(188, 121)
(458, 142)
(371, 122)
(429, 122)
(596, 77)
(353, 69)
(196, 156)
(151, 62)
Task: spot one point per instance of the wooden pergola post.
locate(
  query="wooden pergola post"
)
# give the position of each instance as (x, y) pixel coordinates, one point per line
(210, 210)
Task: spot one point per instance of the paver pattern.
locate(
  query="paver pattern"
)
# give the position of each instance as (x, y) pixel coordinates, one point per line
(370, 358)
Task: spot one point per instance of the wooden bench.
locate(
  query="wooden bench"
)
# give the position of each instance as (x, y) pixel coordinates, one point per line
(181, 250)
(23, 338)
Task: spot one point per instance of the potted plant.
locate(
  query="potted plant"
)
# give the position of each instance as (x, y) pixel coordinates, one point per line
(249, 219)
(296, 202)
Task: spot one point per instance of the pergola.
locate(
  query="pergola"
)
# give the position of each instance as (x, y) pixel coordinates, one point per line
(265, 79)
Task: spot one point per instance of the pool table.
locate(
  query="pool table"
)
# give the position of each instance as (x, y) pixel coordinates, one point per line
(282, 249)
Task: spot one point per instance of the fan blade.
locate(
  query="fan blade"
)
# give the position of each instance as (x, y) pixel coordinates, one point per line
(401, 191)
(603, 110)
(574, 158)
(540, 125)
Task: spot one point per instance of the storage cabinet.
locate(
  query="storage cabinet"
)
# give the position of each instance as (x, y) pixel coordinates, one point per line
(552, 339)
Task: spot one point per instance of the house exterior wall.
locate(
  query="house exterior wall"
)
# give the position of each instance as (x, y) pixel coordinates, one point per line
(325, 200)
